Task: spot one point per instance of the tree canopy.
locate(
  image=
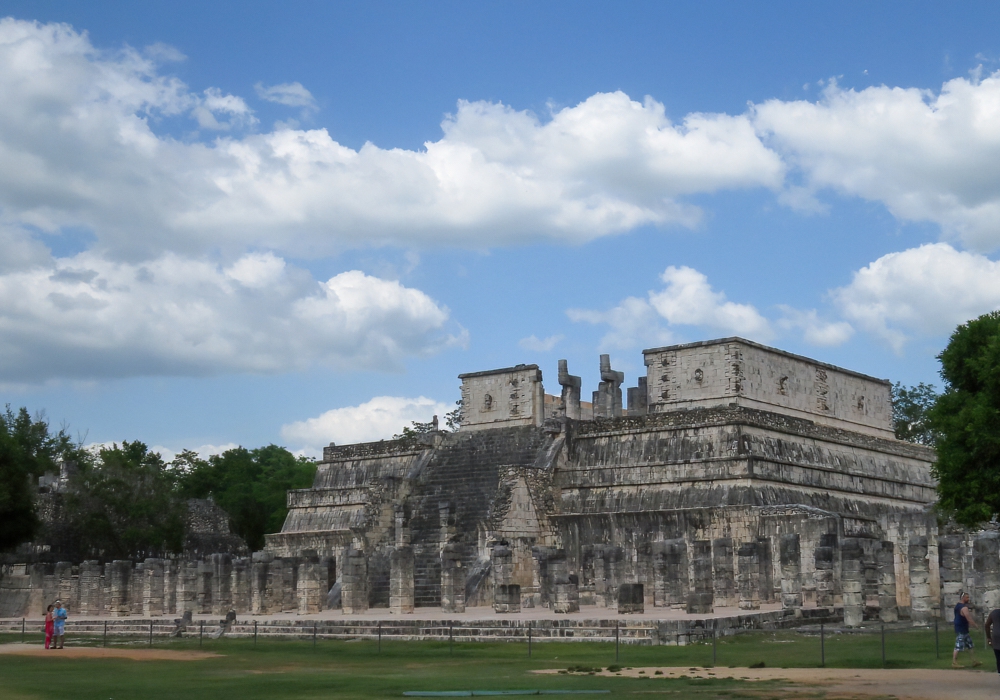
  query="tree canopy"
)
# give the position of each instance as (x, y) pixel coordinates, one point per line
(967, 418)
(27, 450)
(250, 485)
(911, 413)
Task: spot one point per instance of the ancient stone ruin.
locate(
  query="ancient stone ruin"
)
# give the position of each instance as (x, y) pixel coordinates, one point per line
(736, 476)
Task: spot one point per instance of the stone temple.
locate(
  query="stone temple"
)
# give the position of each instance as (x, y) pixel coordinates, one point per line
(734, 476)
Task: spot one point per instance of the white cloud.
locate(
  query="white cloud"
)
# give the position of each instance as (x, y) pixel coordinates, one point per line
(204, 451)
(89, 317)
(540, 345)
(380, 418)
(633, 323)
(927, 156)
(78, 148)
(687, 300)
(289, 94)
(815, 330)
(927, 290)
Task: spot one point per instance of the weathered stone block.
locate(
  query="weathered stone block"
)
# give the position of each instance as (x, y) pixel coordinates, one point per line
(630, 598)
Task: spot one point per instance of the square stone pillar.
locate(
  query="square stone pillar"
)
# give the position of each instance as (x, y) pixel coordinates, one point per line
(354, 582)
(748, 576)
(507, 598)
(453, 579)
(823, 575)
(170, 580)
(766, 570)
(91, 580)
(119, 573)
(203, 603)
(851, 581)
(725, 572)
(309, 589)
(240, 584)
(222, 584)
(921, 605)
(700, 600)
(670, 569)
(950, 566)
(565, 588)
(630, 599)
(152, 588)
(187, 587)
(401, 563)
(986, 565)
(258, 582)
(885, 558)
(790, 559)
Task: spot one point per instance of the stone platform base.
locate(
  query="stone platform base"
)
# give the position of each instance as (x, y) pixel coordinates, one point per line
(582, 627)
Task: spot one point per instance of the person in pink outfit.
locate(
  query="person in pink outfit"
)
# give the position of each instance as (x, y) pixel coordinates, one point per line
(50, 626)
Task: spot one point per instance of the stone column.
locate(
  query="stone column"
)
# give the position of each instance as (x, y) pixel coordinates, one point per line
(565, 588)
(607, 400)
(502, 562)
(885, 557)
(670, 573)
(170, 576)
(766, 570)
(90, 588)
(258, 582)
(187, 587)
(204, 584)
(748, 564)
(222, 583)
(921, 605)
(309, 593)
(630, 599)
(119, 572)
(136, 583)
(824, 573)
(453, 579)
(725, 573)
(790, 558)
(570, 391)
(700, 598)
(401, 562)
(950, 558)
(64, 576)
(354, 582)
(152, 588)
(644, 570)
(851, 575)
(986, 564)
(240, 584)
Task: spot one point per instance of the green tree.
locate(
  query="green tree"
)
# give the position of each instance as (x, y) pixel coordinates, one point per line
(910, 413)
(250, 485)
(124, 505)
(967, 418)
(27, 450)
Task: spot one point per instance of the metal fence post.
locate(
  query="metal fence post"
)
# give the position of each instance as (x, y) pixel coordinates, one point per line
(451, 640)
(529, 640)
(314, 635)
(105, 633)
(616, 641)
(715, 638)
(937, 646)
(883, 645)
(201, 631)
(22, 630)
(255, 633)
(822, 645)
(379, 636)
(150, 633)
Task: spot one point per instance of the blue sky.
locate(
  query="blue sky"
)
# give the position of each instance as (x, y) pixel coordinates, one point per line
(243, 223)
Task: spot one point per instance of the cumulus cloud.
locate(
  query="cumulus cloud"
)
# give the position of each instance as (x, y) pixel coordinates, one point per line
(687, 300)
(289, 94)
(928, 156)
(78, 147)
(204, 451)
(815, 331)
(927, 290)
(380, 418)
(540, 345)
(89, 317)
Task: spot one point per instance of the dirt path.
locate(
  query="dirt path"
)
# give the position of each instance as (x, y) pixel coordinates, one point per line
(105, 653)
(905, 684)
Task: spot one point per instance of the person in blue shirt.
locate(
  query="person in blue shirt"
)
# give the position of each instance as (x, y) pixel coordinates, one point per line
(59, 618)
(963, 640)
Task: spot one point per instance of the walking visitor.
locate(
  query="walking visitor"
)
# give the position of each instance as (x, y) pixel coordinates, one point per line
(963, 640)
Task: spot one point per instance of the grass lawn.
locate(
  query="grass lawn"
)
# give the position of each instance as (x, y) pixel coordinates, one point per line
(344, 669)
